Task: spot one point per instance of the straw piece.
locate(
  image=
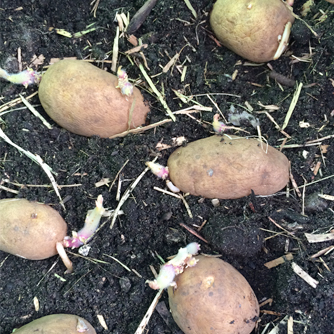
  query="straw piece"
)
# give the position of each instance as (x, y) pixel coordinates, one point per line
(304, 275)
(157, 93)
(292, 106)
(35, 112)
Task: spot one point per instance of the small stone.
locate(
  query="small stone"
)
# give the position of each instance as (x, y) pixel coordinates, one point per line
(314, 203)
(125, 284)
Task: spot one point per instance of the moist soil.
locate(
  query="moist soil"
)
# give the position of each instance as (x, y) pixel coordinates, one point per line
(239, 230)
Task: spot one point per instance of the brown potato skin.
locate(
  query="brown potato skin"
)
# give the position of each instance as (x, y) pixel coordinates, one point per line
(84, 99)
(213, 298)
(55, 324)
(30, 229)
(219, 167)
(251, 33)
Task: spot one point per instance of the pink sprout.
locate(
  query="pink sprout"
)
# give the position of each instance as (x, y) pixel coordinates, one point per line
(91, 224)
(165, 278)
(175, 266)
(158, 170)
(123, 82)
(218, 127)
(24, 78)
(193, 248)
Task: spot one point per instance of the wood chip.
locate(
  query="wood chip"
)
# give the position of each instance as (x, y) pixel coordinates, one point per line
(290, 325)
(279, 260)
(304, 275)
(328, 197)
(36, 304)
(102, 321)
(322, 251)
(313, 238)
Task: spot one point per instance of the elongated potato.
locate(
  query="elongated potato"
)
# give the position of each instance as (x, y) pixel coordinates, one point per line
(252, 28)
(84, 99)
(213, 298)
(58, 324)
(30, 229)
(228, 167)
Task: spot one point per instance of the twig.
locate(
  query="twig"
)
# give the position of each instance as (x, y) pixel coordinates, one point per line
(191, 8)
(313, 182)
(157, 93)
(46, 169)
(149, 312)
(292, 105)
(179, 196)
(328, 197)
(295, 186)
(304, 275)
(319, 139)
(115, 51)
(127, 194)
(290, 325)
(118, 174)
(322, 251)
(216, 105)
(27, 153)
(118, 261)
(279, 226)
(321, 237)
(14, 102)
(303, 196)
(189, 229)
(278, 261)
(41, 185)
(276, 125)
(35, 112)
(166, 192)
(140, 130)
(94, 9)
(192, 109)
(9, 190)
(187, 206)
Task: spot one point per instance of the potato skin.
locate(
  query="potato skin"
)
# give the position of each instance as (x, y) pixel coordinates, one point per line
(220, 167)
(84, 99)
(30, 229)
(250, 32)
(213, 298)
(55, 324)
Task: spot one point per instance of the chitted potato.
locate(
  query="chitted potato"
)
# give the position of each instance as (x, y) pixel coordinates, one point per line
(84, 99)
(228, 167)
(213, 298)
(30, 229)
(251, 28)
(57, 324)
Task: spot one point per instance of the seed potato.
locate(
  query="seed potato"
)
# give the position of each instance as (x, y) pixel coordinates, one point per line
(213, 298)
(250, 28)
(228, 167)
(84, 99)
(57, 324)
(30, 229)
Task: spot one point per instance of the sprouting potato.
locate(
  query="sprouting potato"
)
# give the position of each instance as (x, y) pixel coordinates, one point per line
(57, 324)
(212, 297)
(30, 229)
(228, 167)
(253, 29)
(85, 100)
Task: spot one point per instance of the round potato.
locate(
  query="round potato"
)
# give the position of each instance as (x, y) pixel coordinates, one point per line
(251, 28)
(213, 298)
(228, 167)
(84, 99)
(30, 229)
(58, 324)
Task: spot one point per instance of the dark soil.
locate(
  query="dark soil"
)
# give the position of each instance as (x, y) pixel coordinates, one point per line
(151, 223)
